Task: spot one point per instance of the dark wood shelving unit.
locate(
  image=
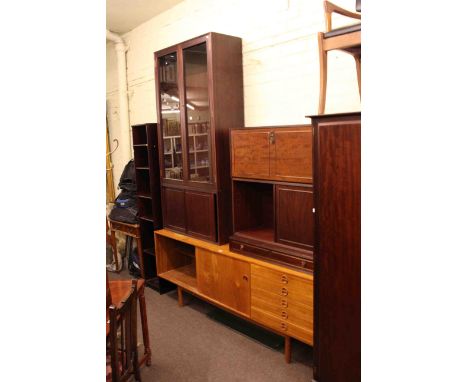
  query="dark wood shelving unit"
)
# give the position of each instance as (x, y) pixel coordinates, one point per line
(272, 194)
(199, 97)
(148, 199)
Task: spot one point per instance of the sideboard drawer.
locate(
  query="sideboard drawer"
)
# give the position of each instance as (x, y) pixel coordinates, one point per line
(282, 284)
(286, 310)
(282, 326)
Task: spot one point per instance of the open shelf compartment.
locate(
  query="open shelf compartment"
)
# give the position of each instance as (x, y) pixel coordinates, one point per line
(254, 210)
(176, 262)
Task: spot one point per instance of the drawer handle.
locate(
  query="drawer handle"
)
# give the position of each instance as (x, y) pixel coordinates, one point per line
(284, 326)
(284, 315)
(284, 291)
(241, 246)
(284, 279)
(284, 303)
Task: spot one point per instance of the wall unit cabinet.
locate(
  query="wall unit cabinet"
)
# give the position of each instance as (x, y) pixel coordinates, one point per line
(272, 218)
(337, 263)
(272, 153)
(274, 297)
(199, 88)
(148, 199)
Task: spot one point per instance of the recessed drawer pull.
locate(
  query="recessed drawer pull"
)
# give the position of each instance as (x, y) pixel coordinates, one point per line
(284, 326)
(284, 291)
(284, 315)
(284, 303)
(284, 279)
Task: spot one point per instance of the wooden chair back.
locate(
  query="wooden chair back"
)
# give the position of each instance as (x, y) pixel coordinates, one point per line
(123, 337)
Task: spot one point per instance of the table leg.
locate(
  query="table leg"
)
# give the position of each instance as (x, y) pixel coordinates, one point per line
(180, 296)
(144, 326)
(287, 349)
(140, 256)
(114, 250)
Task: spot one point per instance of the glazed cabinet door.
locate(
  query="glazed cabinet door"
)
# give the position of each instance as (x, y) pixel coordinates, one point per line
(197, 109)
(174, 209)
(291, 154)
(170, 117)
(294, 216)
(250, 153)
(201, 216)
(224, 279)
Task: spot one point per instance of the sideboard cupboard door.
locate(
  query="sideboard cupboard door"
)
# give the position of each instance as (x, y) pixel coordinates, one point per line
(250, 153)
(174, 209)
(294, 216)
(291, 155)
(224, 279)
(200, 207)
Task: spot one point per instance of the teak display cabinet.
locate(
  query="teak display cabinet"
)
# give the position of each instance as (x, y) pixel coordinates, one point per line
(199, 94)
(272, 196)
(148, 199)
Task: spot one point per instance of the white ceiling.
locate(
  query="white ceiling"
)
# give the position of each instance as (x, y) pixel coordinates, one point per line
(124, 15)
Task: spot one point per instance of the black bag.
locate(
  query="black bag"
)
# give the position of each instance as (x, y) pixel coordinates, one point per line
(127, 180)
(134, 263)
(125, 209)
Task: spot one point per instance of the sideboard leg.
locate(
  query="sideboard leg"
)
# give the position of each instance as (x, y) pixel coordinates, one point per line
(287, 349)
(180, 296)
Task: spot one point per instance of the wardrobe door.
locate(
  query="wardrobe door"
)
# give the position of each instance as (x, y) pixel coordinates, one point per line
(201, 216)
(174, 209)
(337, 260)
(291, 155)
(294, 216)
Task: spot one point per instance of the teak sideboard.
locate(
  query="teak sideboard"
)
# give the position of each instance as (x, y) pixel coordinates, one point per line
(277, 298)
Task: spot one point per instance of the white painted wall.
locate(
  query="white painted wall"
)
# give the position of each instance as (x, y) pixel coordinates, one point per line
(280, 58)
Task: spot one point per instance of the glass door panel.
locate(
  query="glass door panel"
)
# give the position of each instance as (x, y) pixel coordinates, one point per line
(170, 113)
(197, 108)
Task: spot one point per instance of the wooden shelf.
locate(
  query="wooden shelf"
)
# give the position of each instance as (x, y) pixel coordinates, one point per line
(260, 233)
(184, 276)
(149, 251)
(145, 195)
(147, 218)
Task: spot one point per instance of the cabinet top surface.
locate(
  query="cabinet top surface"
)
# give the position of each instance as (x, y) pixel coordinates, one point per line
(224, 250)
(335, 115)
(194, 39)
(271, 127)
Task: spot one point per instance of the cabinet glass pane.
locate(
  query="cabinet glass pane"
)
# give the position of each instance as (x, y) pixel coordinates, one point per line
(170, 111)
(198, 113)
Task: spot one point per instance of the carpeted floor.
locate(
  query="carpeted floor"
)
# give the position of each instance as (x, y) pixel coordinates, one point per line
(188, 346)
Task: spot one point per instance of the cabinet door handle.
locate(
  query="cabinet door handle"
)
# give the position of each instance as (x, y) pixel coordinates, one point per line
(271, 137)
(245, 277)
(284, 279)
(284, 291)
